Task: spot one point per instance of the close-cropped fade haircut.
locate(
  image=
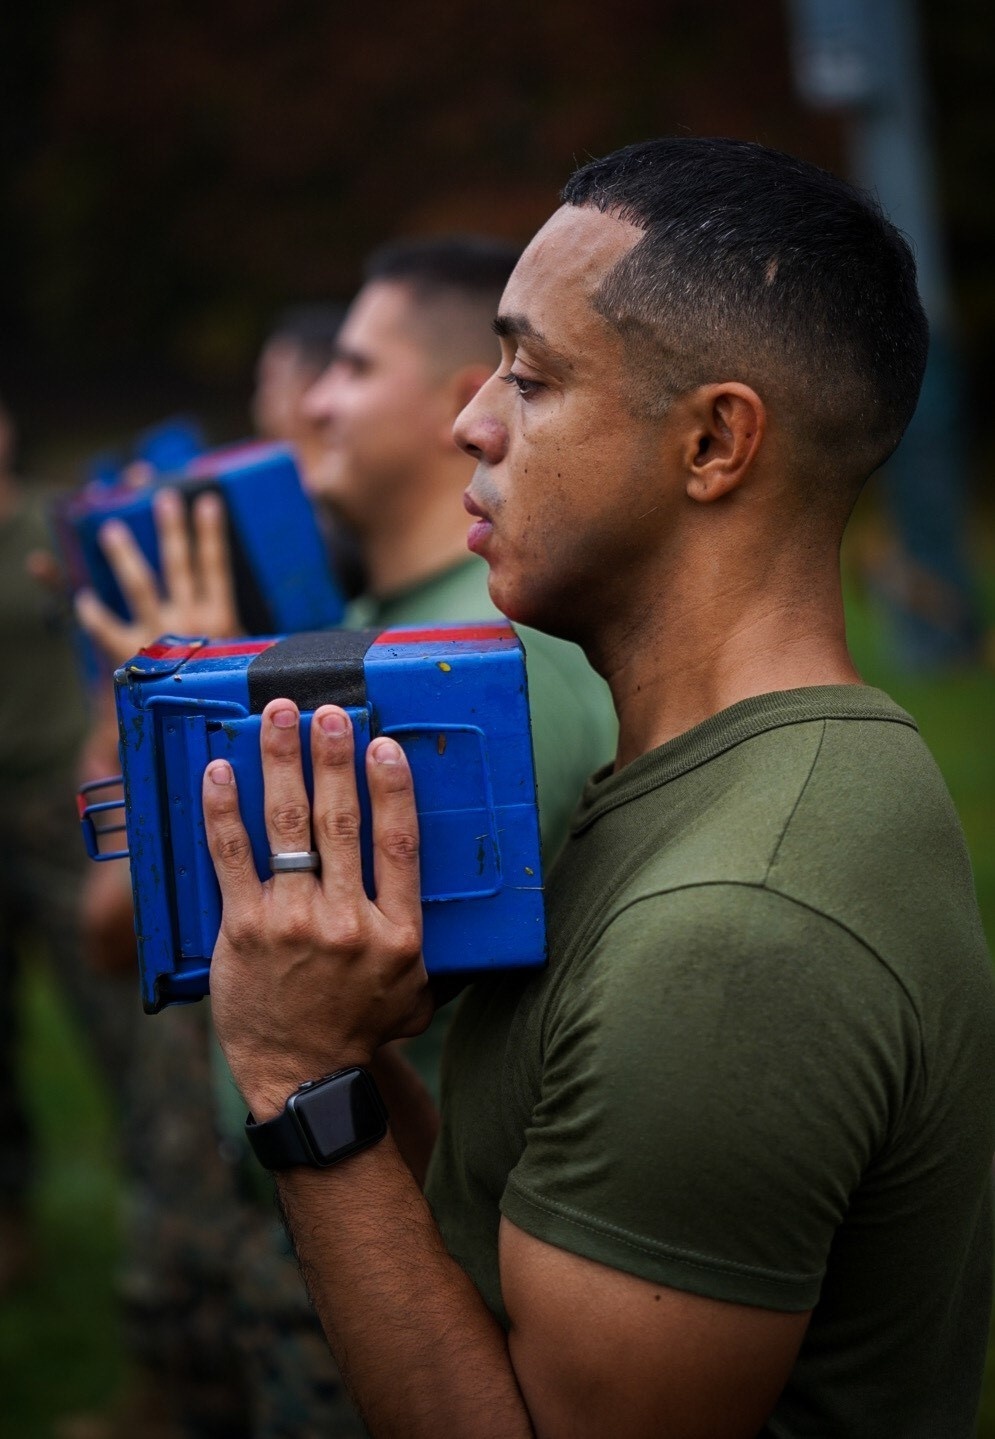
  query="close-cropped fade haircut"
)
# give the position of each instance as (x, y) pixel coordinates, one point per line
(455, 283)
(758, 267)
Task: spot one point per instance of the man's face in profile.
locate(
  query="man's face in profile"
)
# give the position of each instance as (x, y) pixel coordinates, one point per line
(566, 497)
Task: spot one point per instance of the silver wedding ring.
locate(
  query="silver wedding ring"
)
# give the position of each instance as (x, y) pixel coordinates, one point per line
(293, 861)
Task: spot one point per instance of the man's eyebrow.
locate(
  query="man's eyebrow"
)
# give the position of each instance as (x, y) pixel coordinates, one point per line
(520, 327)
(510, 327)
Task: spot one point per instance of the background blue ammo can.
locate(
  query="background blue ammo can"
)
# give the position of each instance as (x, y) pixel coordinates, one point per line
(282, 575)
(455, 699)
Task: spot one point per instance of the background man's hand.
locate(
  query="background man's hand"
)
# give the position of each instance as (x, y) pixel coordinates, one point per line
(309, 974)
(196, 595)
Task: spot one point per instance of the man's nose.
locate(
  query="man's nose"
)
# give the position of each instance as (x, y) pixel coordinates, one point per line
(479, 432)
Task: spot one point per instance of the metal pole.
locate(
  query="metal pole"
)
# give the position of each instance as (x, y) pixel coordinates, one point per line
(862, 57)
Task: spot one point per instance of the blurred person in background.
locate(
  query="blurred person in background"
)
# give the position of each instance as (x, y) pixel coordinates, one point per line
(299, 347)
(42, 726)
(416, 344)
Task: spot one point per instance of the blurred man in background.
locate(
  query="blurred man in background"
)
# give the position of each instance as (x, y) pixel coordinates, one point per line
(42, 725)
(299, 347)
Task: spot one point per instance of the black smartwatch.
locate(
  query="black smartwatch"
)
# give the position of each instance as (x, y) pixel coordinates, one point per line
(323, 1122)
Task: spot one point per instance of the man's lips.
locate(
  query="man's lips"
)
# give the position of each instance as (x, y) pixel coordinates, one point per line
(471, 506)
(478, 533)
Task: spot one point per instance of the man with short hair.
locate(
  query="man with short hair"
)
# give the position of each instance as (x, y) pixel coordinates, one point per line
(723, 1169)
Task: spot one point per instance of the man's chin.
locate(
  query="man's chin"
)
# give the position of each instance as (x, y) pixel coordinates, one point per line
(515, 603)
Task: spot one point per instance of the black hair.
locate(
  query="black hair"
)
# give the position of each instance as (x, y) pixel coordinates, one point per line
(474, 265)
(313, 329)
(761, 267)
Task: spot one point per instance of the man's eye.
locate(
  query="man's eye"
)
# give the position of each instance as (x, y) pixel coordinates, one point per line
(525, 387)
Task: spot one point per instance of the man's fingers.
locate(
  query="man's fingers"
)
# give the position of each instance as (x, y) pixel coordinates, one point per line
(214, 564)
(395, 832)
(336, 809)
(112, 636)
(134, 575)
(174, 548)
(227, 839)
(286, 808)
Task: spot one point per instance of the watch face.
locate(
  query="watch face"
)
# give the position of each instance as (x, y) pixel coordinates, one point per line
(339, 1115)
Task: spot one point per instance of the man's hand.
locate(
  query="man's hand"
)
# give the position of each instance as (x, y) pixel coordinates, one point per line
(309, 974)
(197, 591)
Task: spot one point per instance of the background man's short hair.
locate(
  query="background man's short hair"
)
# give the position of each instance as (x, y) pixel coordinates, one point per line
(760, 267)
(311, 329)
(430, 265)
(455, 283)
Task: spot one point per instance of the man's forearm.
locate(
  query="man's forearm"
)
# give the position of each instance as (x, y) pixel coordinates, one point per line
(414, 1119)
(421, 1353)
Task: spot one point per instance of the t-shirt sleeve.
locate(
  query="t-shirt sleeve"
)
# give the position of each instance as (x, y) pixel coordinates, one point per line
(716, 1079)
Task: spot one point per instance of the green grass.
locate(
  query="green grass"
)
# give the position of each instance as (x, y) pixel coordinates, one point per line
(956, 714)
(59, 1345)
(60, 1348)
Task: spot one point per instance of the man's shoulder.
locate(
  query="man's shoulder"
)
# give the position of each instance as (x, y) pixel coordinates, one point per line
(844, 817)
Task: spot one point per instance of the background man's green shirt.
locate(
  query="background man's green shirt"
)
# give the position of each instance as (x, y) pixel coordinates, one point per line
(761, 1064)
(574, 729)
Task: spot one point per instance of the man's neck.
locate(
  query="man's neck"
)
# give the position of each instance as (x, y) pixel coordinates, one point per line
(685, 660)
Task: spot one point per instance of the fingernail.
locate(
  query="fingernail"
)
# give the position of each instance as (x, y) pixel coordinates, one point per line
(385, 751)
(112, 529)
(334, 722)
(285, 719)
(221, 772)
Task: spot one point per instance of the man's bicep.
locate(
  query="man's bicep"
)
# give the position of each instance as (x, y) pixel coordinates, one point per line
(597, 1351)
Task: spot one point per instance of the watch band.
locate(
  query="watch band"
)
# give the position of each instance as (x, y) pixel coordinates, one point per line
(323, 1122)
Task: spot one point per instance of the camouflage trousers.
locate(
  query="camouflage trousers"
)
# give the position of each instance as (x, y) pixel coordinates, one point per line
(216, 1310)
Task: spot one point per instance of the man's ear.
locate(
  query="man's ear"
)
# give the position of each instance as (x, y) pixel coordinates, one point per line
(728, 424)
(462, 386)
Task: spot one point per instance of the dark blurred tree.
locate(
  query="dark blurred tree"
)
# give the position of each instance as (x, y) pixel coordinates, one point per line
(184, 169)
(171, 174)
(959, 45)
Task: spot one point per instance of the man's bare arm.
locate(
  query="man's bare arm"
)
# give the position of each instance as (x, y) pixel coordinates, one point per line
(414, 1119)
(310, 976)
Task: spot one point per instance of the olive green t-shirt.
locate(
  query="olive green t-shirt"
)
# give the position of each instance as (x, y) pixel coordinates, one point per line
(761, 1064)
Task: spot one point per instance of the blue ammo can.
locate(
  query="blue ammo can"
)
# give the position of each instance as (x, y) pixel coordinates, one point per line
(454, 697)
(282, 576)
